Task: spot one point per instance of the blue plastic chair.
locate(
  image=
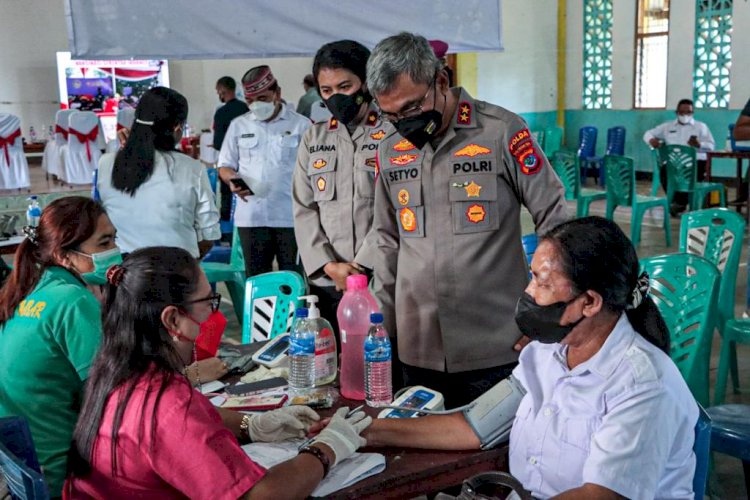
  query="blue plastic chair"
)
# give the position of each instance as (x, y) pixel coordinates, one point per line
(615, 141)
(94, 188)
(702, 450)
(213, 178)
(587, 154)
(730, 434)
(220, 253)
(529, 242)
(18, 460)
(270, 301)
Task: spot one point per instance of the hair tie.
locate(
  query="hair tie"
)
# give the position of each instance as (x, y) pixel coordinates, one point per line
(115, 275)
(31, 234)
(144, 122)
(641, 290)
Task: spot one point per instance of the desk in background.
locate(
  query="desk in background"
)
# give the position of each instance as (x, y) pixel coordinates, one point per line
(739, 156)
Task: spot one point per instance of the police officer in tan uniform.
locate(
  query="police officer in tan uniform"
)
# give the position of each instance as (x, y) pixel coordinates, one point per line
(448, 261)
(334, 181)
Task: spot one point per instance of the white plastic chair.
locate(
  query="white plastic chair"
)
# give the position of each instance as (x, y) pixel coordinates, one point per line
(85, 142)
(208, 154)
(14, 170)
(51, 159)
(125, 119)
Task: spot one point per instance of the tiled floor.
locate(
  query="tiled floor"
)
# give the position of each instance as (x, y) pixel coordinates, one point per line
(728, 481)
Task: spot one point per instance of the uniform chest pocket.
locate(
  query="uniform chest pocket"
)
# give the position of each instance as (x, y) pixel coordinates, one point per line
(474, 203)
(248, 146)
(364, 177)
(289, 145)
(321, 170)
(575, 446)
(406, 194)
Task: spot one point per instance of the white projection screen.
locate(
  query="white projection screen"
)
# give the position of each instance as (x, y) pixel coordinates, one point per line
(218, 29)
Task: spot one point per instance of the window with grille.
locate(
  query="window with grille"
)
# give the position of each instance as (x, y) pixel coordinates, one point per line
(651, 44)
(713, 54)
(597, 54)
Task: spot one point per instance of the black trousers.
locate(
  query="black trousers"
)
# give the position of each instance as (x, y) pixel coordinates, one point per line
(225, 210)
(261, 244)
(328, 303)
(681, 198)
(459, 388)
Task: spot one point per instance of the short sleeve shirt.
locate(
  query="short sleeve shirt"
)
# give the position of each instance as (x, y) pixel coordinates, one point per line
(46, 350)
(190, 454)
(625, 420)
(175, 207)
(223, 117)
(264, 154)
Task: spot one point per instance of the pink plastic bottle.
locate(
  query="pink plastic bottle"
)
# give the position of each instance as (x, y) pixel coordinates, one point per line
(354, 321)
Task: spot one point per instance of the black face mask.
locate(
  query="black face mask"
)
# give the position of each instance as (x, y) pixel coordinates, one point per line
(421, 128)
(345, 107)
(542, 323)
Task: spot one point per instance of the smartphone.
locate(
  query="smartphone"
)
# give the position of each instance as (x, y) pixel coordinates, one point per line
(257, 387)
(241, 184)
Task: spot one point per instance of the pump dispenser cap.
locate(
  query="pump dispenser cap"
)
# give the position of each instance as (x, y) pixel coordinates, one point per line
(313, 311)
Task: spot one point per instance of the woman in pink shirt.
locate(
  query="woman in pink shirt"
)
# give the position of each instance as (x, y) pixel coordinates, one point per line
(144, 432)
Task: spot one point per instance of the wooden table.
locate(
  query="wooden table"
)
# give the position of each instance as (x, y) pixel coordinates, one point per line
(739, 156)
(411, 472)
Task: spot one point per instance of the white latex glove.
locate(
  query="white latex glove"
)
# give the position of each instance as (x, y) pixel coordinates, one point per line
(284, 423)
(342, 434)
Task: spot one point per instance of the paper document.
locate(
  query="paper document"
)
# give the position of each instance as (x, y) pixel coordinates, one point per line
(343, 475)
(214, 386)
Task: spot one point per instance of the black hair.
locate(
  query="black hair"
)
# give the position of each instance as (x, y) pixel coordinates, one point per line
(227, 82)
(596, 255)
(135, 344)
(685, 101)
(345, 54)
(309, 80)
(165, 109)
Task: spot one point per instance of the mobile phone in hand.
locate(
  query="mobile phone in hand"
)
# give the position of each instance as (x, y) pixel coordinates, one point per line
(240, 184)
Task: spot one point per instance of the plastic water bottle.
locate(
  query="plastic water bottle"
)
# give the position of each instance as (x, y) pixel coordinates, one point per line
(34, 212)
(354, 322)
(301, 354)
(378, 382)
(32, 134)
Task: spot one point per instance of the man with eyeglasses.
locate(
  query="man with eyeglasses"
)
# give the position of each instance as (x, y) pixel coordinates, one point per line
(447, 256)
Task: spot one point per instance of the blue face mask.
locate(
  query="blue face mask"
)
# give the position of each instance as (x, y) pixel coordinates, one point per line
(102, 262)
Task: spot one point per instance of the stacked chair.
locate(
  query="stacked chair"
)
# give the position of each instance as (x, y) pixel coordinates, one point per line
(80, 156)
(14, 170)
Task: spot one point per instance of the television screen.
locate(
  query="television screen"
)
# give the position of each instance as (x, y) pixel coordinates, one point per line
(104, 86)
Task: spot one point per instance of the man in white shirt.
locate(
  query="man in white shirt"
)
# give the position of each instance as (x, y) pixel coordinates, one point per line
(685, 130)
(257, 161)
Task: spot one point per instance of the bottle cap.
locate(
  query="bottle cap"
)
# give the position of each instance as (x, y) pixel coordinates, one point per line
(376, 317)
(313, 311)
(356, 282)
(300, 312)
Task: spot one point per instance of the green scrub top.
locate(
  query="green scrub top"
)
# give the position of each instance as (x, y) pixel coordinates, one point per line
(46, 350)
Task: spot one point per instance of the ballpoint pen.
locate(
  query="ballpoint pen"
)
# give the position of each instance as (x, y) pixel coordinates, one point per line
(348, 414)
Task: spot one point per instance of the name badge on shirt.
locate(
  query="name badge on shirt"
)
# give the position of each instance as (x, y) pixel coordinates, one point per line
(246, 135)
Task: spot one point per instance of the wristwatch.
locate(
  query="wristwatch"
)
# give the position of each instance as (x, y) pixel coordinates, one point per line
(320, 455)
(245, 427)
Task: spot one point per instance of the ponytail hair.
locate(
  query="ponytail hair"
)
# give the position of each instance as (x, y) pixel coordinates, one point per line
(64, 225)
(159, 111)
(596, 255)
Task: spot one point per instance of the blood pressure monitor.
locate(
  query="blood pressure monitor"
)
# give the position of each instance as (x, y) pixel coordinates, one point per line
(274, 353)
(417, 397)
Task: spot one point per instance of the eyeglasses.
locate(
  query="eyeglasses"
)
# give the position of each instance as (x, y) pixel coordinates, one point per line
(411, 112)
(215, 299)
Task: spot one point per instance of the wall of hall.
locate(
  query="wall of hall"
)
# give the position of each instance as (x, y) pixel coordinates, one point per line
(32, 31)
(679, 78)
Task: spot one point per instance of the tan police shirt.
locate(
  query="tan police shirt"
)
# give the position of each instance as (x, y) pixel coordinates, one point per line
(333, 192)
(447, 255)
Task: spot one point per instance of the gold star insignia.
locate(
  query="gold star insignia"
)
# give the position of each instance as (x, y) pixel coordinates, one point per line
(464, 109)
(472, 190)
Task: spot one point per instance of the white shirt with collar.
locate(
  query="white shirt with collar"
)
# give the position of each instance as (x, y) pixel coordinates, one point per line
(673, 132)
(264, 154)
(175, 206)
(625, 419)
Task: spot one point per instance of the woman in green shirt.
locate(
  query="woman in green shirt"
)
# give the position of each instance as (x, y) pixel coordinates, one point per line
(50, 325)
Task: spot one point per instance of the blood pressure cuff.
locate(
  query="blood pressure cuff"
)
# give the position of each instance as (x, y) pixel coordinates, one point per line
(491, 415)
